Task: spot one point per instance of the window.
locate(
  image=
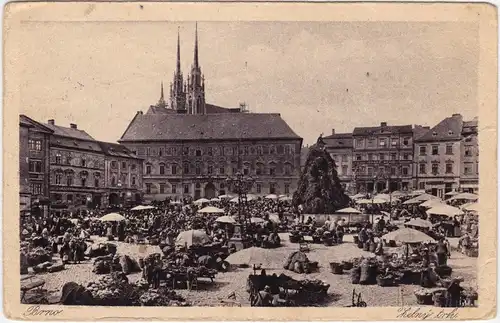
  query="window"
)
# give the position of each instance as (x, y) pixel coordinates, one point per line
(435, 169)
(272, 188)
(394, 142)
(160, 151)
(359, 142)
(467, 168)
(186, 189)
(265, 150)
(421, 185)
(405, 171)
(36, 188)
(210, 169)
(259, 169)
(174, 189)
(406, 157)
(449, 168)
(162, 169)
(382, 142)
(132, 166)
(422, 150)
(449, 149)
(393, 156)
(148, 169)
(114, 164)
(96, 181)
(209, 151)
(435, 150)
(58, 178)
(148, 151)
(185, 151)
(58, 159)
(124, 165)
(258, 187)
(162, 188)
(288, 169)
(370, 171)
(31, 144)
(287, 188)
(198, 169)
(272, 169)
(69, 198)
(69, 180)
(35, 166)
(468, 151)
(406, 141)
(222, 170)
(344, 170)
(382, 157)
(358, 157)
(68, 160)
(421, 168)
(148, 188)
(186, 168)
(84, 182)
(280, 149)
(393, 170)
(245, 171)
(371, 143)
(174, 169)
(198, 152)
(370, 156)
(113, 181)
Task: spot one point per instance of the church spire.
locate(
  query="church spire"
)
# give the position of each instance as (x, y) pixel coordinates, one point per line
(196, 46)
(178, 51)
(161, 102)
(177, 93)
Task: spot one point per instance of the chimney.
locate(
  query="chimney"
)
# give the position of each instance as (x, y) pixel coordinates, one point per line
(333, 131)
(383, 124)
(73, 126)
(51, 121)
(456, 115)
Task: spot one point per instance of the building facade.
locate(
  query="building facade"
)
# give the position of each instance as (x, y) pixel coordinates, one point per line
(447, 157)
(122, 175)
(24, 180)
(191, 147)
(340, 148)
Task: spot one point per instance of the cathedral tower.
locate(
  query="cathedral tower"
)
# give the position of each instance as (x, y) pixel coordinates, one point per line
(177, 87)
(196, 84)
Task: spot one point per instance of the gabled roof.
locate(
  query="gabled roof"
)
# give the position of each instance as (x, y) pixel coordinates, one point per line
(117, 150)
(27, 121)
(339, 140)
(210, 108)
(449, 129)
(225, 126)
(419, 131)
(69, 132)
(388, 130)
(159, 110)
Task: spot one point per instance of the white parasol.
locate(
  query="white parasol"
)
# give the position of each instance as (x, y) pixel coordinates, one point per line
(211, 209)
(272, 196)
(225, 219)
(445, 210)
(465, 196)
(349, 210)
(201, 201)
(142, 207)
(112, 217)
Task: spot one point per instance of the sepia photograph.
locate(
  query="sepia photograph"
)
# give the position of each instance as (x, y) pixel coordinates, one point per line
(237, 163)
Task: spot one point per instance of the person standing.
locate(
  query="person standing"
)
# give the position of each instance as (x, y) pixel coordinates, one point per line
(442, 252)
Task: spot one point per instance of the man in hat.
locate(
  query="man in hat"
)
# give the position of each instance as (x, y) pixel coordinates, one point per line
(265, 298)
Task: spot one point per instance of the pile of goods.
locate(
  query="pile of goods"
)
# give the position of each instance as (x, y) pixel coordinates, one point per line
(312, 291)
(110, 263)
(40, 260)
(162, 297)
(298, 262)
(295, 236)
(429, 296)
(115, 290)
(100, 249)
(37, 256)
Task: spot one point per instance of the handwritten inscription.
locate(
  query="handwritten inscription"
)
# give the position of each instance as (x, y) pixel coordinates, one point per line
(419, 313)
(37, 311)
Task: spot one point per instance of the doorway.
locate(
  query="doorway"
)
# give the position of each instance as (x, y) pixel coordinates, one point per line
(114, 199)
(210, 191)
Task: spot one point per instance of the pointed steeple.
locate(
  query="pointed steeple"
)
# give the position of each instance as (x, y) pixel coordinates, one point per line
(178, 51)
(196, 46)
(161, 102)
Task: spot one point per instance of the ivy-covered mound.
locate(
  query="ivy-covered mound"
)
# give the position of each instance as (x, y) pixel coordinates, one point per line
(319, 190)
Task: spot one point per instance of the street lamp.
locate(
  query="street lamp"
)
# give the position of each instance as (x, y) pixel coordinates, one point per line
(240, 184)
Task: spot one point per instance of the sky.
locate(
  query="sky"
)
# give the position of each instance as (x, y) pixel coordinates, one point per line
(317, 75)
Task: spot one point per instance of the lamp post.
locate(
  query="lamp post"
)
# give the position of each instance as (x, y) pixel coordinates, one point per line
(241, 184)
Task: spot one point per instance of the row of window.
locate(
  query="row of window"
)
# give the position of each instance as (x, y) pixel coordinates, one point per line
(199, 169)
(382, 142)
(217, 151)
(36, 188)
(382, 156)
(114, 165)
(468, 168)
(68, 160)
(163, 188)
(391, 171)
(69, 198)
(435, 150)
(69, 180)
(35, 145)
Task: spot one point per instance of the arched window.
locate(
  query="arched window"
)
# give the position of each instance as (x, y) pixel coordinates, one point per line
(272, 150)
(174, 169)
(133, 181)
(69, 179)
(162, 169)
(186, 168)
(246, 168)
(288, 169)
(148, 169)
(113, 181)
(272, 169)
(58, 158)
(287, 150)
(259, 169)
(198, 169)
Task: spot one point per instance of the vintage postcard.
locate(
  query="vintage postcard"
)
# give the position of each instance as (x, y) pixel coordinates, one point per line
(250, 161)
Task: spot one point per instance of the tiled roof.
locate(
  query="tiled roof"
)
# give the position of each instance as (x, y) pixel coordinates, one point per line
(217, 109)
(339, 140)
(145, 127)
(159, 110)
(470, 126)
(27, 121)
(69, 132)
(448, 129)
(113, 149)
(419, 131)
(367, 131)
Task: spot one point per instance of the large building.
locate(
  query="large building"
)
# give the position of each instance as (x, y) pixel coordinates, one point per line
(383, 157)
(447, 157)
(340, 147)
(190, 147)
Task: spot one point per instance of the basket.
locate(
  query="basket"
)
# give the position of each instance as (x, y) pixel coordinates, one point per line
(443, 271)
(474, 253)
(439, 298)
(347, 265)
(425, 299)
(336, 268)
(391, 244)
(385, 281)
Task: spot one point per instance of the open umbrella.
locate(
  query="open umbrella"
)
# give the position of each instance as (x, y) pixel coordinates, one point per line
(112, 217)
(142, 207)
(257, 220)
(251, 197)
(275, 218)
(349, 210)
(225, 197)
(225, 219)
(371, 201)
(286, 199)
(407, 235)
(398, 194)
(271, 197)
(215, 199)
(452, 193)
(420, 223)
(253, 256)
(386, 197)
(201, 201)
(432, 203)
(211, 209)
(445, 210)
(175, 202)
(417, 192)
(465, 196)
(358, 196)
(192, 237)
(471, 206)
(74, 221)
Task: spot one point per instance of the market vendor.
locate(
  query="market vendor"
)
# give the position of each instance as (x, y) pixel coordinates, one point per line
(442, 252)
(265, 298)
(429, 277)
